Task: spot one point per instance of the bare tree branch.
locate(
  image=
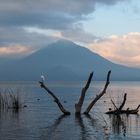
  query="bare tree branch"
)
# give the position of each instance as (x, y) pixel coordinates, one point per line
(65, 112)
(78, 106)
(123, 103)
(100, 95)
(120, 109)
(114, 104)
(138, 107)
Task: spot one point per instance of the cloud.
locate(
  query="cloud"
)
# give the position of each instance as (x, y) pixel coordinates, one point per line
(22, 42)
(15, 49)
(51, 14)
(45, 32)
(79, 35)
(123, 49)
(58, 19)
(12, 35)
(76, 34)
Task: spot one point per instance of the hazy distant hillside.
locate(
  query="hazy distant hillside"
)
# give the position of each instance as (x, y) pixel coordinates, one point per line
(64, 60)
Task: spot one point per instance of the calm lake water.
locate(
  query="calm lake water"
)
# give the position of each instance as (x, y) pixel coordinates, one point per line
(42, 120)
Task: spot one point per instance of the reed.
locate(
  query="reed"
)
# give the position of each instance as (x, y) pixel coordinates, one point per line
(3, 100)
(10, 100)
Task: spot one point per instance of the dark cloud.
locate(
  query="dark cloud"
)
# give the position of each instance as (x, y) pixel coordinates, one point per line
(60, 15)
(110, 2)
(47, 13)
(51, 21)
(20, 36)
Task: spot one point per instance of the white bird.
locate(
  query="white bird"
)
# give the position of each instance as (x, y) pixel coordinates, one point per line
(43, 78)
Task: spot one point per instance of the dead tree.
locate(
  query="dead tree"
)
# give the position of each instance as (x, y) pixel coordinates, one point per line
(119, 110)
(100, 95)
(78, 106)
(65, 112)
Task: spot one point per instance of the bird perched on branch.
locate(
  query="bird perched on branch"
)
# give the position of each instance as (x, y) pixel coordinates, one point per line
(42, 78)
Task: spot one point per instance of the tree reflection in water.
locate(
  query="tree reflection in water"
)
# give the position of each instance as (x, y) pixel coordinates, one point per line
(50, 132)
(91, 128)
(83, 128)
(87, 127)
(122, 124)
(118, 124)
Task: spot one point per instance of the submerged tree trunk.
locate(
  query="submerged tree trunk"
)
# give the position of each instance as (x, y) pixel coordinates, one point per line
(65, 112)
(120, 109)
(78, 106)
(100, 95)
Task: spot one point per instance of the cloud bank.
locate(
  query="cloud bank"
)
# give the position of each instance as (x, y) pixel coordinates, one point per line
(123, 49)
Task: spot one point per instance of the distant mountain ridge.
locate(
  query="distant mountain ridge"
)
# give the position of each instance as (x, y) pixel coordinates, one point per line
(65, 60)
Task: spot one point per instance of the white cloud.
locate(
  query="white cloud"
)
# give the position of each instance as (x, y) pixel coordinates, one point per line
(123, 49)
(45, 32)
(15, 50)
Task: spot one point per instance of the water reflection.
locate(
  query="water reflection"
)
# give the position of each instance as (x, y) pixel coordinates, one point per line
(8, 114)
(91, 128)
(123, 125)
(84, 130)
(85, 127)
(51, 132)
(119, 124)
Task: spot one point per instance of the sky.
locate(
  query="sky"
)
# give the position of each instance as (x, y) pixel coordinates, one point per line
(110, 28)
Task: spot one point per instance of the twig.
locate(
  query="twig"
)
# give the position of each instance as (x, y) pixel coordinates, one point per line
(114, 104)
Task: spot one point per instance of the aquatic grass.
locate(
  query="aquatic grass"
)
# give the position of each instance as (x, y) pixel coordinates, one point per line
(9, 99)
(15, 101)
(3, 100)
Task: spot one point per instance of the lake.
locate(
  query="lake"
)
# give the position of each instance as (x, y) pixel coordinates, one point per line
(42, 120)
